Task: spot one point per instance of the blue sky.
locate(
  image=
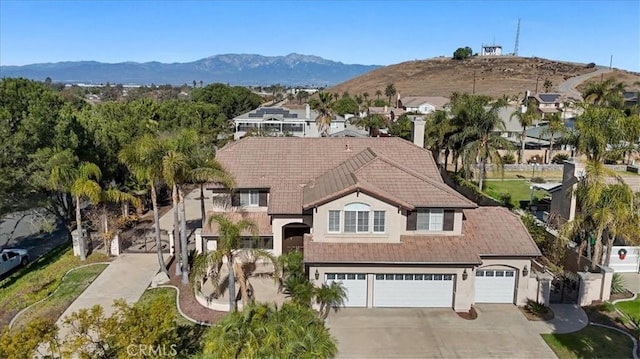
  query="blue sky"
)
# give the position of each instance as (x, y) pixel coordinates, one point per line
(371, 32)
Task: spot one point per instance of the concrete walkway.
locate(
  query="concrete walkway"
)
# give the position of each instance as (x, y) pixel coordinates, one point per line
(568, 318)
(127, 277)
(191, 208)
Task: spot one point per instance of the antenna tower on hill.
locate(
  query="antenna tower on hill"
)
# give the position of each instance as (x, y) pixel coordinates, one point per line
(515, 50)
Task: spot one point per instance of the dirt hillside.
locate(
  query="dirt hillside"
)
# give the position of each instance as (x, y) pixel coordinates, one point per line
(494, 76)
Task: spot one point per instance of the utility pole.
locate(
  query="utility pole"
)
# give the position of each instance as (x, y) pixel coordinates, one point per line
(515, 50)
(537, 78)
(474, 83)
(610, 62)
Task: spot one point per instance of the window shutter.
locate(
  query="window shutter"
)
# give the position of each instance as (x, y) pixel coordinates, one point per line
(235, 199)
(412, 217)
(449, 216)
(262, 200)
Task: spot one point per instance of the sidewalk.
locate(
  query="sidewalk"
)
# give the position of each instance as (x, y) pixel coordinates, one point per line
(568, 318)
(127, 277)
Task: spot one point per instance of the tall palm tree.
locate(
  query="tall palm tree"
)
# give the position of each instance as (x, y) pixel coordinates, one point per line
(229, 247)
(555, 126)
(477, 116)
(329, 296)
(526, 119)
(81, 183)
(378, 94)
(606, 93)
(390, 91)
(324, 106)
(631, 134)
(143, 158)
(173, 168)
(439, 129)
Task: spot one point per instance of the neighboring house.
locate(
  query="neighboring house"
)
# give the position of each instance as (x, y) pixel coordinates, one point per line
(555, 102)
(513, 129)
(283, 121)
(422, 104)
(389, 113)
(375, 215)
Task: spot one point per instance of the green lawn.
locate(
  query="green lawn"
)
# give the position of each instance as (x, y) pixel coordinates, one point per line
(630, 308)
(70, 288)
(39, 279)
(590, 342)
(518, 189)
(547, 175)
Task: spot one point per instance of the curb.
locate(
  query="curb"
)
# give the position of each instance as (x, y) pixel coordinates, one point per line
(15, 317)
(635, 342)
(178, 305)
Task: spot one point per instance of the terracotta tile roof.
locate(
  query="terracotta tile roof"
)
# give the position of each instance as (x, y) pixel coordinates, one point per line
(261, 220)
(286, 165)
(487, 231)
(414, 101)
(380, 177)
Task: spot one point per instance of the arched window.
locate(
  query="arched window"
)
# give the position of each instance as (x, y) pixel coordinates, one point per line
(356, 218)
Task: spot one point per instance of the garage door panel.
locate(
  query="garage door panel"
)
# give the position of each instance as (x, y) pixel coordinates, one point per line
(413, 290)
(495, 286)
(355, 284)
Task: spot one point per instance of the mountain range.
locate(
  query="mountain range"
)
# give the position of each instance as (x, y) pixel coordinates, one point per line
(235, 69)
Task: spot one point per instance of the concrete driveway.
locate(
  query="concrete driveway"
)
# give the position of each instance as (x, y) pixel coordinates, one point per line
(500, 331)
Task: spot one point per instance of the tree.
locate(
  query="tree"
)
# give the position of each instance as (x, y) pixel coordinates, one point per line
(345, 105)
(37, 337)
(555, 126)
(378, 94)
(547, 85)
(477, 117)
(439, 129)
(371, 123)
(390, 91)
(263, 330)
(324, 106)
(401, 127)
(606, 93)
(462, 53)
(329, 296)
(229, 248)
(143, 158)
(526, 119)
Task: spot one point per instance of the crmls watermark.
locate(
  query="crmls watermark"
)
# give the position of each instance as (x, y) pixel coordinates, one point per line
(146, 350)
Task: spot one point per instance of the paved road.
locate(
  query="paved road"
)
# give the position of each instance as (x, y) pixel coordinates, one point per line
(569, 86)
(26, 234)
(500, 331)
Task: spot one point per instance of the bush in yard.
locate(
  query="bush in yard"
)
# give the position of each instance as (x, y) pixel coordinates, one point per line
(508, 159)
(537, 180)
(505, 198)
(560, 158)
(607, 307)
(536, 308)
(617, 284)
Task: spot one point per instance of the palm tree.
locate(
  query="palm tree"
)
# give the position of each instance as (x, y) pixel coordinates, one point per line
(547, 85)
(324, 106)
(477, 116)
(173, 168)
(526, 119)
(81, 183)
(378, 94)
(631, 133)
(555, 126)
(365, 95)
(229, 247)
(390, 91)
(329, 296)
(605, 93)
(113, 194)
(439, 129)
(143, 158)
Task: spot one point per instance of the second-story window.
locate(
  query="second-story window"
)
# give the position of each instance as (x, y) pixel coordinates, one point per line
(430, 220)
(356, 218)
(250, 199)
(378, 221)
(334, 221)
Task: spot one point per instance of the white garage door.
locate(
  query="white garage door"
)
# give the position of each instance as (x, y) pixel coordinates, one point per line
(495, 286)
(413, 290)
(355, 284)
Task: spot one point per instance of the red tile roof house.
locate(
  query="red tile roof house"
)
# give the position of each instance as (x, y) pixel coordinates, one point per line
(375, 214)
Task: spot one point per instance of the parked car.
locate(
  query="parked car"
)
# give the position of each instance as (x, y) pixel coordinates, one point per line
(12, 258)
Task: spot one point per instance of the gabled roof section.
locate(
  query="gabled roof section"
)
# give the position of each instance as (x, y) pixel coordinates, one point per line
(382, 178)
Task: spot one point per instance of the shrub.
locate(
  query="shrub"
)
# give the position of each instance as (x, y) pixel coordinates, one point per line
(607, 307)
(505, 198)
(536, 308)
(537, 180)
(508, 159)
(462, 53)
(617, 284)
(560, 158)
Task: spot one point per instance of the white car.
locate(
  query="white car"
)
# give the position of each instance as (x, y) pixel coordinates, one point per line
(12, 258)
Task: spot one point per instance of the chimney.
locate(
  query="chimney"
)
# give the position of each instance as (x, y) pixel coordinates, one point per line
(417, 131)
(385, 108)
(307, 111)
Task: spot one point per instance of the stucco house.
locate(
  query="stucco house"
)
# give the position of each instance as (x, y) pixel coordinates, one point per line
(422, 104)
(283, 121)
(376, 215)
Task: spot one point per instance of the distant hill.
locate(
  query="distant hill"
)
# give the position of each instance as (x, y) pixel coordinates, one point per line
(235, 69)
(494, 76)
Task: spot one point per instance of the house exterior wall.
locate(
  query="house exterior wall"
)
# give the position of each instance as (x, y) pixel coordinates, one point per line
(426, 108)
(277, 222)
